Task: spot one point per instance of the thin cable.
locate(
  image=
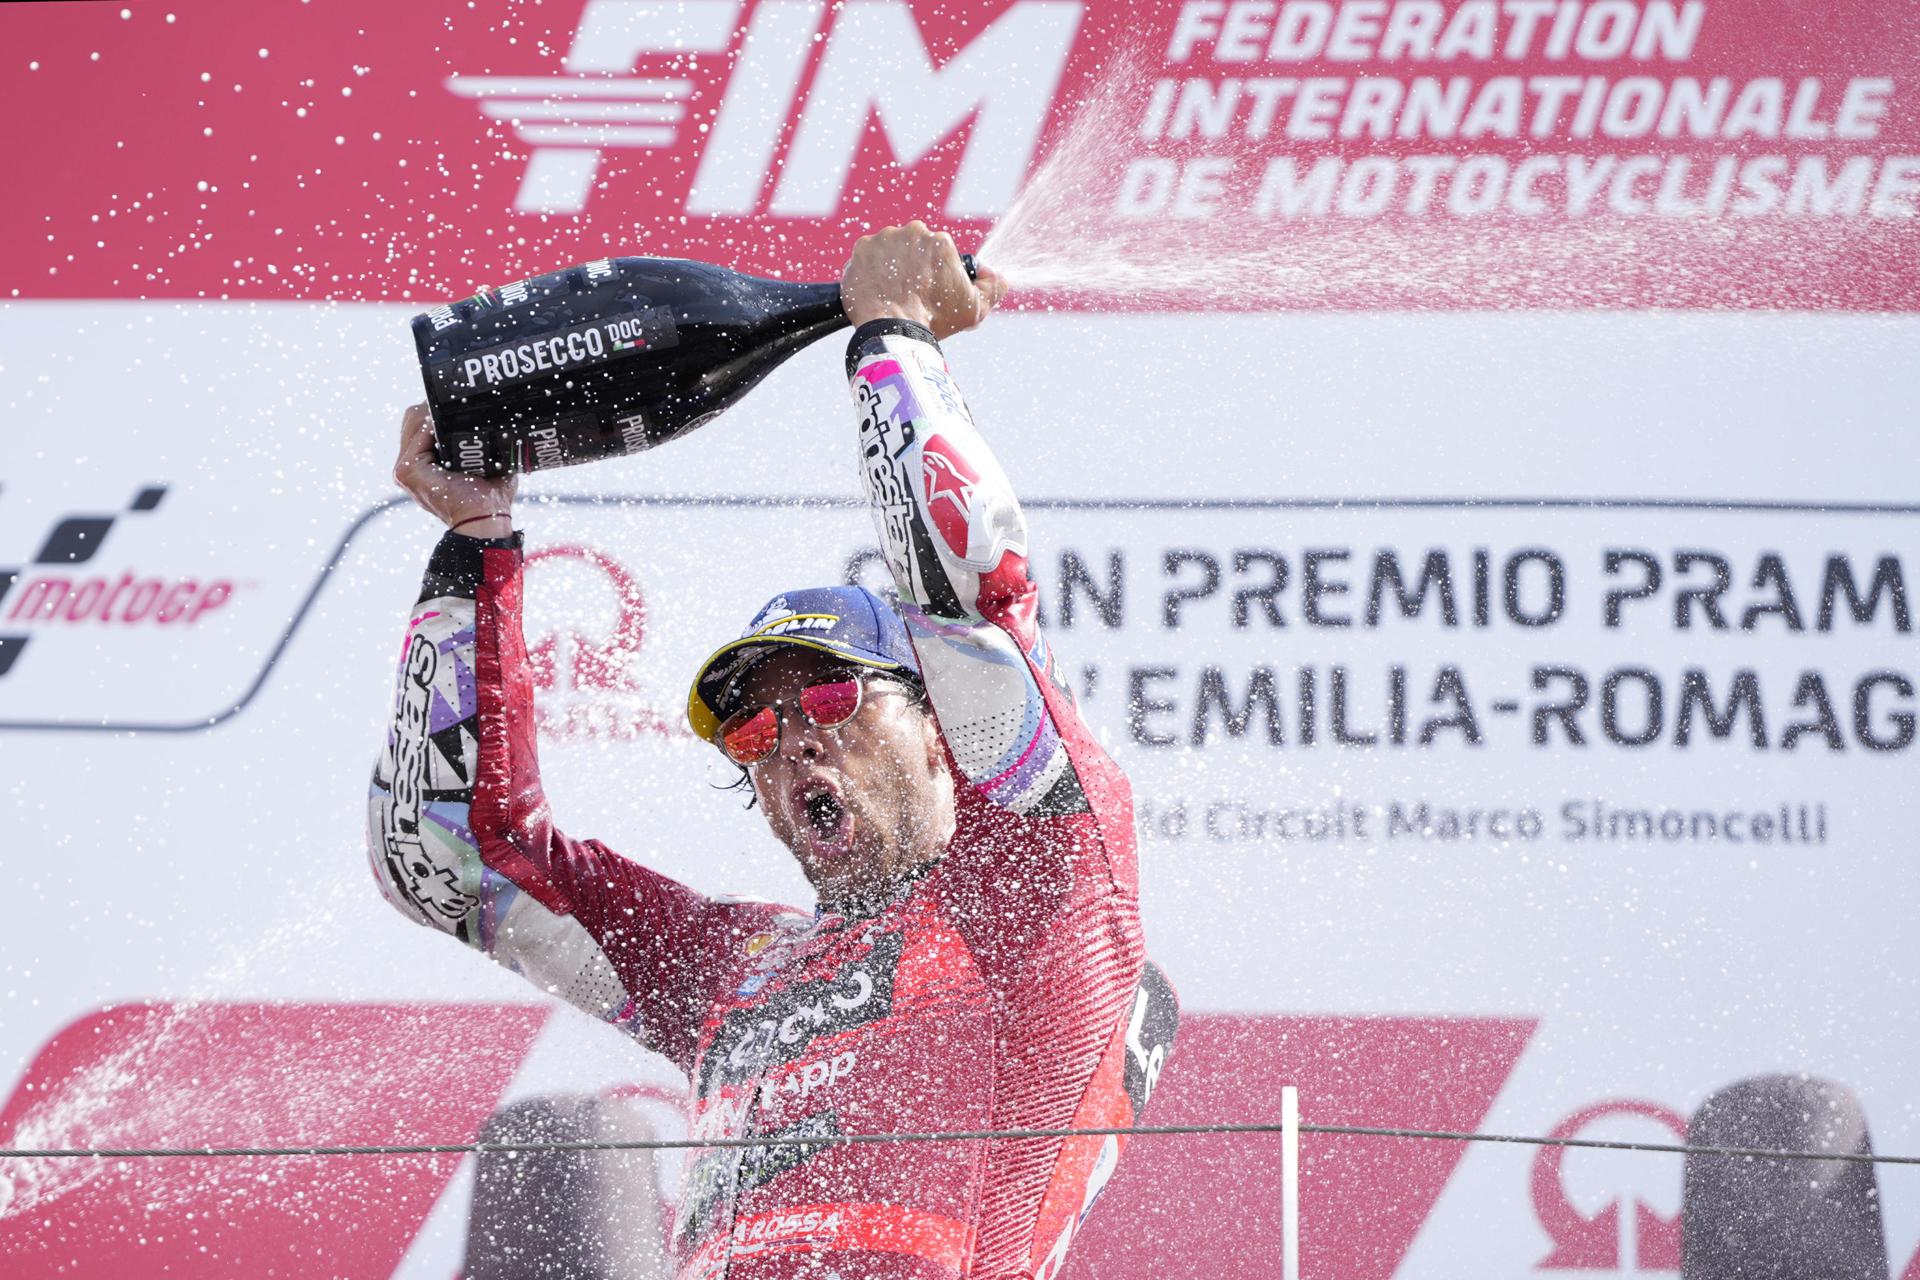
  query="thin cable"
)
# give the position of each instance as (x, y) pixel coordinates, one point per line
(957, 1135)
(1599, 1144)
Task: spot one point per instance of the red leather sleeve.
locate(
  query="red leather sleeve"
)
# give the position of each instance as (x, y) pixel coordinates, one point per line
(624, 942)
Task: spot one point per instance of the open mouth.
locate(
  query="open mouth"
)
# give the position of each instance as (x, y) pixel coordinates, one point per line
(824, 812)
(828, 824)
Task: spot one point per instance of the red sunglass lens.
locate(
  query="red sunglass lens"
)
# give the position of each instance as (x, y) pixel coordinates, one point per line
(828, 705)
(751, 736)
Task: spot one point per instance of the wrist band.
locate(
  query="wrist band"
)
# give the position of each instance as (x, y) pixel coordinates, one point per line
(471, 519)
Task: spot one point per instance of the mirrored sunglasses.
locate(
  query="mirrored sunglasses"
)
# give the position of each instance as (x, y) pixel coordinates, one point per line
(752, 734)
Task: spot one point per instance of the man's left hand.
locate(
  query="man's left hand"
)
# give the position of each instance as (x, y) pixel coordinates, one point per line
(914, 273)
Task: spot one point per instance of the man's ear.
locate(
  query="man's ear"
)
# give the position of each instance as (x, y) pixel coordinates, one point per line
(936, 748)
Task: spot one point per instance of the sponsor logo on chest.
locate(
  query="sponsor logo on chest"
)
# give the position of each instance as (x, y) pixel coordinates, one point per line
(779, 1026)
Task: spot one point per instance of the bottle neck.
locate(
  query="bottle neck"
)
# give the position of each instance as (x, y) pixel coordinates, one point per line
(813, 308)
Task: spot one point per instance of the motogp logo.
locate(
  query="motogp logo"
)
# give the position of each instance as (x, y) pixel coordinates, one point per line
(50, 594)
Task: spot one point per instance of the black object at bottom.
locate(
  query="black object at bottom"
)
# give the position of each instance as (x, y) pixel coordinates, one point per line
(1779, 1219)
(565, 1215)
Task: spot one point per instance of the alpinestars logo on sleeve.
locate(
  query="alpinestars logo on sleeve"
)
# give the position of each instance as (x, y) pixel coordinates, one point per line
(637, 68)
(949, 484)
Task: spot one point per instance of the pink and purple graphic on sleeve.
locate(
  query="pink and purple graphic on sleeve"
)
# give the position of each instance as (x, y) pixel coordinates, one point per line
(893, 390)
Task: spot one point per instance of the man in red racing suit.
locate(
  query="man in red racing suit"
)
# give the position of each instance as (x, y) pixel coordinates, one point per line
(998, 982)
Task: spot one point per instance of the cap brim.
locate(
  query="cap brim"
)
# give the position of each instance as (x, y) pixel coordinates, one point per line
(731, 660)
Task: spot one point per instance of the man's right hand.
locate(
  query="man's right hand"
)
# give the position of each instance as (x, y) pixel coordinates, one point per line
(479, 507)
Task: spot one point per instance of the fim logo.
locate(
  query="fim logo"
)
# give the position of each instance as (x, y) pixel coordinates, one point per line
(635, 66)
(48, 595)
(584, 679)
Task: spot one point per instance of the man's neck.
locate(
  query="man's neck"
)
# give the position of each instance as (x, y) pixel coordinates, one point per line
(870, 896)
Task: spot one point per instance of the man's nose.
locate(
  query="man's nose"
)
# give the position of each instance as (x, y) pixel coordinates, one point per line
(804, 739)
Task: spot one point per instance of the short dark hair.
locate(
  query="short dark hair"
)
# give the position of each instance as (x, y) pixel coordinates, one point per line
(742, 783)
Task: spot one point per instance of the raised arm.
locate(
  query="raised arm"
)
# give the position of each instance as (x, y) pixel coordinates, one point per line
(954, 536)
(459, 833)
